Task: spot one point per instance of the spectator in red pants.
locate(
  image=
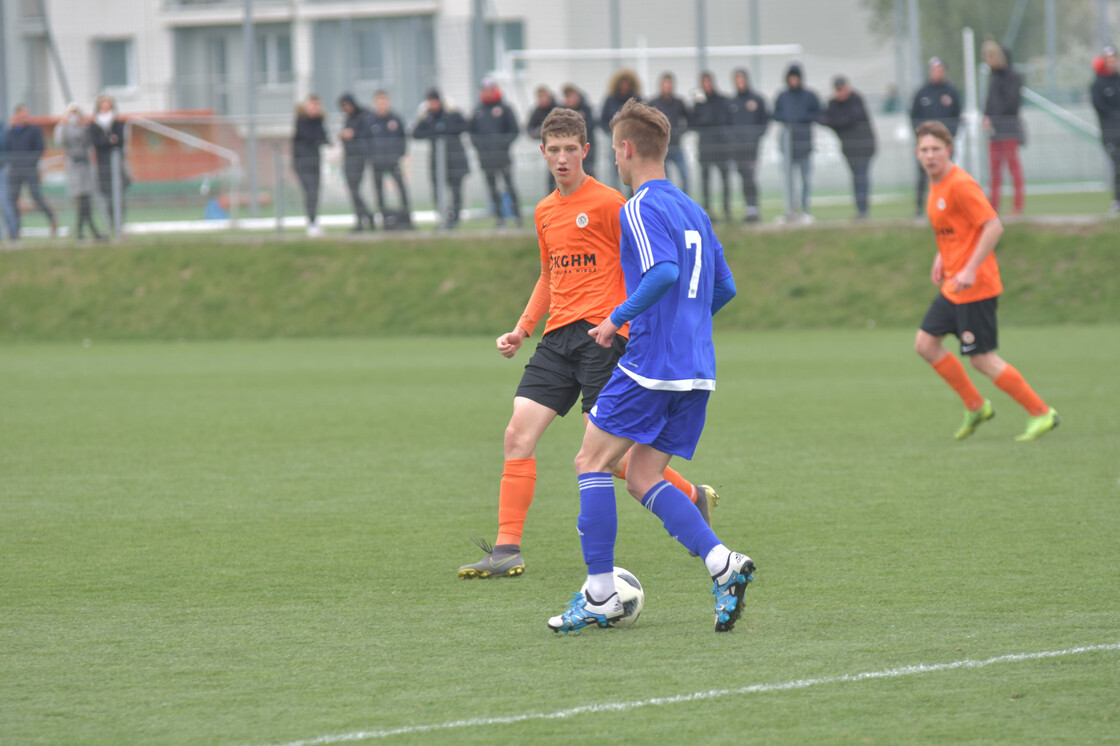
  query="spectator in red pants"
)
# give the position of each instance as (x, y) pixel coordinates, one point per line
(1001, 121)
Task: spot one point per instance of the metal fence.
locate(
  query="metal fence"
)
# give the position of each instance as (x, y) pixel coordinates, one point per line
(180, 181)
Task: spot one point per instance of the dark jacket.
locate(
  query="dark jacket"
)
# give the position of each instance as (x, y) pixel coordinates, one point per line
(749, 119)
(357, 147)
(676, 110)
(850, 120)
(616, 99)
(1002, 107)
(937, 102)
(493, 129)
(710, 118)
(308, 136)
(387, 140)
(1106, 100)
(25, 146)
(798, 108)
(446, 126)
(103, 144)
(537, 117)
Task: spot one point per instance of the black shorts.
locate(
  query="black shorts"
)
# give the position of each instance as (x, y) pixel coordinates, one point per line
(568, 362)
(974, 324)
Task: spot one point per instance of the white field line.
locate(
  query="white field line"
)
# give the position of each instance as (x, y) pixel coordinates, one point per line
(890, 673)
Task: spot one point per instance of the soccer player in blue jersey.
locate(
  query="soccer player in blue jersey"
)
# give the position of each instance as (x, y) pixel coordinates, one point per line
(654, 404)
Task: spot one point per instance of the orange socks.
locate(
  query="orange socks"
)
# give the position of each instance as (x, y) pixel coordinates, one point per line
(950, 368)
(519, 479)
(672, 476)
(1014, 385)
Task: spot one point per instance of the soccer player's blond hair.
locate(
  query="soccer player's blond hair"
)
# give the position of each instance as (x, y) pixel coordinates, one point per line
(644, 127)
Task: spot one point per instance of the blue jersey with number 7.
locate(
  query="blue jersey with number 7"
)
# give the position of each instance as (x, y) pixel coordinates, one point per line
(670, 345)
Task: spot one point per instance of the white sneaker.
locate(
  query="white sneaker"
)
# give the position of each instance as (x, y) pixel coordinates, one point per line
(314, 230)
(807, 219)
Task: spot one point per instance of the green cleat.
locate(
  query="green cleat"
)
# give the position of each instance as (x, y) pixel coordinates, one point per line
(972, 420)
(1039, 426)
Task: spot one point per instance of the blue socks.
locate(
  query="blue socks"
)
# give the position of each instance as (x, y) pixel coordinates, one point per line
(598, 521)
(681, 518)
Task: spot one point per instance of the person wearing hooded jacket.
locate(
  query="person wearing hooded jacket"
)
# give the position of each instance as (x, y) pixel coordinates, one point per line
(710, 118)
(1001, 121)
(106, 134)
(387, 145)
(73, 135)
(308, 136)
(25, 148)
(847, 115)
(797, 108)
(1106, 100)
(355, 134)
(623, 86)
(939, 101)
(576, 101)
(749, 118)
(443, 124)
(493, 129)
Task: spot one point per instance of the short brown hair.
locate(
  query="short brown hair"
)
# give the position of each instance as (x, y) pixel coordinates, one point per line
(644, 127)
(562, 122)
(935, 129)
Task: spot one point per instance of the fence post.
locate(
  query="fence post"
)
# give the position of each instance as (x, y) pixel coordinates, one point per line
(440, 154)
(278, 187)
(116, 208)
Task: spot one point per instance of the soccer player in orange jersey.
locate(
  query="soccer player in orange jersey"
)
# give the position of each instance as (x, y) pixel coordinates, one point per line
(580, 284)
(965, 269)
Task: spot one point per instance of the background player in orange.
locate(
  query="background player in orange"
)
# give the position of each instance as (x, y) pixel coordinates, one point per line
(580, 284)
(965, 269)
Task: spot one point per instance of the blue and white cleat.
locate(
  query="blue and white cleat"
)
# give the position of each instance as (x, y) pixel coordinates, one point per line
(581, 612)
(729, 587)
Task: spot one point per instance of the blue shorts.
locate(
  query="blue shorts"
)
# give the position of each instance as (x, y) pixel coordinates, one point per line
(670, 421)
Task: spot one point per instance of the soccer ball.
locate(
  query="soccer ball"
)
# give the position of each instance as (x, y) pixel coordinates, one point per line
(630, 592)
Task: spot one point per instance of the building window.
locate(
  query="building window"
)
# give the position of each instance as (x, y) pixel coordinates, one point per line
(274, 58)
(115, 56)
(505, 36)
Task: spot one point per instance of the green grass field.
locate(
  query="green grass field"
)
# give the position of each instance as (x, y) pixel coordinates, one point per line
(255, 543)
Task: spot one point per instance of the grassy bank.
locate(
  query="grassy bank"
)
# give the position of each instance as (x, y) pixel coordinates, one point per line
(236, 288)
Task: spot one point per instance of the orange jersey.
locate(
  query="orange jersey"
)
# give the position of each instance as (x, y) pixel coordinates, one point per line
(958, 211)
(581, 276)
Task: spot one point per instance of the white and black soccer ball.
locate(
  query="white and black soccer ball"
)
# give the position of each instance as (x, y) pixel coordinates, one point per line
(630, 592)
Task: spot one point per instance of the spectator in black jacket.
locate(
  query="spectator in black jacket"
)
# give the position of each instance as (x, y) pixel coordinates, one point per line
(493, 130)
(710, 118)
(797, 108)
(355, 135)
(576, 101)
(749, 119)
(387, 145)
(938, 101)
(308, 136)
(444, 126)
(7, 209)
(847, 115)
(546, 102)
(1106, 100)
(1001, 120)
(624, 85)
(25, 148)
(676, 110)
(106, 134)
